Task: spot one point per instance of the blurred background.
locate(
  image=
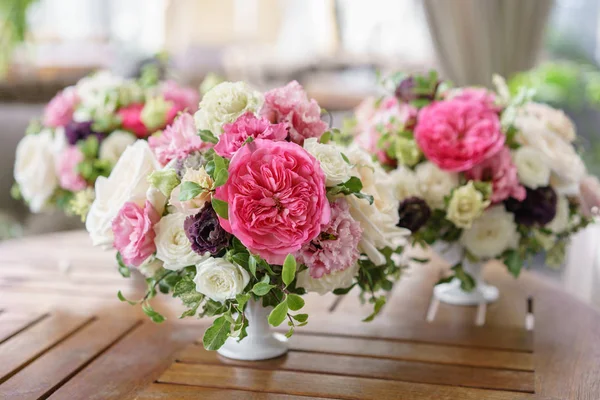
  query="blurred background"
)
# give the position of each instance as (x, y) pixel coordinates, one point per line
(334, 48)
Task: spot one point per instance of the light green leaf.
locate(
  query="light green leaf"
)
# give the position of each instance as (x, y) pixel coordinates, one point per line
(289, 333)
(207, 136)
(295, 302)
(221, 207)
(189, 190)
(154, 316)
(123, 269)
(513, 262)
(261, 288)
(252, 265)
(300, 317)
(288, 272)
(379, 303)
(278, 315)
(242, 299)
(221, 177)
(217, 334)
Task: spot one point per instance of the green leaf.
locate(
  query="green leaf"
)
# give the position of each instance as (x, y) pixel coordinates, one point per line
(288, 273)
(89, 147)
(221, 207)
(420, 260)
(123, 269)
(447, 279)
(207, 136)
(379, 303)
(353, 185)
(365, 196)
(467, 283)
(217, 334)
(289, 333)
(347, 160)
(300, 317)
(260, 289)
(123, 299)
(278, 315)
(164, 180)
(221, 178)
(154, 316)
(343, 291)
(189, 190)
(513, 262)
(325, 138)
(242, 299)
(252, 265)
(295, 302)
(185, 289)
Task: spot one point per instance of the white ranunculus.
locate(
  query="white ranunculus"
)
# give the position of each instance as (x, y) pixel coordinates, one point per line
(128, 181)
(435, 184)
(172, 245)
(405, 183)
(378, 220)
(561, 220)
(328, 282)
(224, 104)
(114, 145)
(336, 169)
(35, 169)
(532, 167)
(219, 279)
(491, 234)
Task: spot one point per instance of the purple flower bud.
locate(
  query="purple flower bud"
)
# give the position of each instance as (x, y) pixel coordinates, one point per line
(539, 206)
(76, 131)
(205, 232)
(414, 213)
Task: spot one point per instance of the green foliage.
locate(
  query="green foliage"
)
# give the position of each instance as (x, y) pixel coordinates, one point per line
(278, 314)
(467, 283)
(352, 186)
(289, 269)
(185, 289)
(190, 190)
(89, 147)
(437, 228)
(207, 136)
(295, 302)
(377, 306)
(165, 181)
(123, 269)
(221, 208)
(513, 261)
(220, 174)
(217, 334)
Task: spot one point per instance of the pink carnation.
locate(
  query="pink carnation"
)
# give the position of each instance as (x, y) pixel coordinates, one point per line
(59, 111)
(177, 141)
(500, 170)
(133, 228)
(183, 99)
(290, 105)
(457, 134)
(336, 248)
(131, 120)
(234, 135)
(66, 169)
(276, 196)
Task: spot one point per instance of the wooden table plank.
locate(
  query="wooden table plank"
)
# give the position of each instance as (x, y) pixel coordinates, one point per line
(56, 366)
(161, 391)
(13, 323)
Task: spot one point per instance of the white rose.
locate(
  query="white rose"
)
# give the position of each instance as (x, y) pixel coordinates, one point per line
(172, 245)
(336, 169)
(329, 282)
(114, 145)
(224, 104)
(435, 184)
(405, 183)
(554, 120)
(491, 234)
(532, 167)
(35, 169)
(219, 279)
(128, 181)
(561, 220)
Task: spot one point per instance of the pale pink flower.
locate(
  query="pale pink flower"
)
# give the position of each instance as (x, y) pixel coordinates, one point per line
(276, 197)
(133, 228)
(177, 141)
(247, 125)
(66, 169)
(457, 134)
(336, 248)
(477, 94)
(589, 195)
(59, 111)
(290, 104)
(500, 170)
(183, 98)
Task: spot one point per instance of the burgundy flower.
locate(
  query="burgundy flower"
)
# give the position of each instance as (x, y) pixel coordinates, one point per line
(205, 232)
(76, 131)
(539, 206)
(414, 213)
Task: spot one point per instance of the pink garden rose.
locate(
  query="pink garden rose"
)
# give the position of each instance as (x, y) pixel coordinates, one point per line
(66, 169)
(183, 99)
(177, 141)
(336, 248)
(133, 228)
(59, 111)
(131, 120)
(480, 95)
(290, 105)
(457, 134)
(276, 197)
(500, 170)
(247, 125)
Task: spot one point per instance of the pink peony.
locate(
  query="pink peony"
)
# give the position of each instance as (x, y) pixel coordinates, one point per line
(290, 105)
(66, 169)
(234, 135)
(59, 111)
(336, 248)
(178, 140)
(500, 170)
(183, 99)
(457, 134)
(480, 95)
(131, 120)
(133, 228)
(276, 196)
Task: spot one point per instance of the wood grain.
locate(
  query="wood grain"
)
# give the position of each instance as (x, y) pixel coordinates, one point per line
(161, 391)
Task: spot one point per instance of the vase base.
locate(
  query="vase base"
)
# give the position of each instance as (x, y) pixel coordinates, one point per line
(255, 348)
(451, 293)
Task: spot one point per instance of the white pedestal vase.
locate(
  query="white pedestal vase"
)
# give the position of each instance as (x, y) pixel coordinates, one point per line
(451, 292)
(261, 343)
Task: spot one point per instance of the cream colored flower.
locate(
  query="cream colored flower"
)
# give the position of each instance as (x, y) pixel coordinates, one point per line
(405, 183)
(561, 220)
(435, 184)
(199, 176)
(219, 279)
(532, 167)
(554, 120)
(328, 282)
(491, 234)
(466, 205)
(172, 245)
(407, 151)
(336, 169)
(114, 145)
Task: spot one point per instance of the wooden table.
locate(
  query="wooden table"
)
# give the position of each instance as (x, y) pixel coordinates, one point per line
(64, 335)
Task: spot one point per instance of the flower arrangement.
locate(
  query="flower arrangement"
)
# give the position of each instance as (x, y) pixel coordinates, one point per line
(84, 130)
(496, 174)
(246, 201)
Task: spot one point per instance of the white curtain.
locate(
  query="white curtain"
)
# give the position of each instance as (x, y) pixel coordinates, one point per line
(473, 39)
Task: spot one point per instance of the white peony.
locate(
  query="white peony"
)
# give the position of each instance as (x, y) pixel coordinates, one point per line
(128, 181)
(491, 234)
(405, 183)
(336, 169)
(219, 279)
(327, 283)
(224, 104)
(532, 167)
(35, 169)
(172, 245)
(378, 220)
(561, 220)
(114, 145)
(435, 184)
